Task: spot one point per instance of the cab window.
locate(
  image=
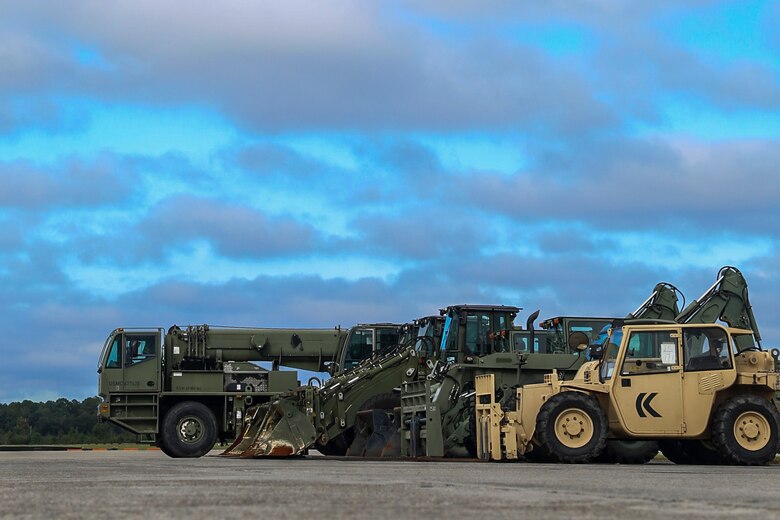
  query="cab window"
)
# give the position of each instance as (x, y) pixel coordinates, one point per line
(361, 345)
(477, 334)
(139, 348)
(386, 339)
(114, 358)
(650, 352)
(540, 342)
(706, 349)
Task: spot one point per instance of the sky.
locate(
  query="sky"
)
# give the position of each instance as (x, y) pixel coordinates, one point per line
(312, 164)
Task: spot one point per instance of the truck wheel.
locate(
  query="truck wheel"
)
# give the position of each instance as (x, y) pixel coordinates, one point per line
(189, 429)
(164, 448)
(573, 427)
(675, 451)
(624, 451)
(745, 430)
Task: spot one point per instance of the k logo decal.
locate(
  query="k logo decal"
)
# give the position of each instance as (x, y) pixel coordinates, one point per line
(643, 404)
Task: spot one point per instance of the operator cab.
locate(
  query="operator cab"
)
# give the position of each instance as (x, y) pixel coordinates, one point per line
(367, 340)
(472, 331)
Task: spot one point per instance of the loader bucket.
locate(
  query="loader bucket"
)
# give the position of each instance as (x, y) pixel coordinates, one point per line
(284, 431)
(254, 419)
(376, 434)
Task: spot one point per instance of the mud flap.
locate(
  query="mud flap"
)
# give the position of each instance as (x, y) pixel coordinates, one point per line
(376, 434)
(283, 432)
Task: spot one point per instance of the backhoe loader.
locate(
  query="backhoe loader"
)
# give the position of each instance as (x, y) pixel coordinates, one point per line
(703, 390)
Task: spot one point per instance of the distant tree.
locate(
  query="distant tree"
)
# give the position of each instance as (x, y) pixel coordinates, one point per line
(57, 422)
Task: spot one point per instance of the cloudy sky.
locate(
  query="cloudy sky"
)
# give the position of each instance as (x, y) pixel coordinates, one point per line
(305, 163)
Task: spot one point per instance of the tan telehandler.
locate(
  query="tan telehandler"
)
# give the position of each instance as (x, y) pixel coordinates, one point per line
(703, 390)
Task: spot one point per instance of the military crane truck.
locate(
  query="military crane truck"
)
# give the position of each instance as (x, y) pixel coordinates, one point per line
(704, 390)
(186, 388)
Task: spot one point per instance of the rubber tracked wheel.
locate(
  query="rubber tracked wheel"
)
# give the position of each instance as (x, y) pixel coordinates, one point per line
(573, 427)
(745, 430)
(625, 451)
(189, 429)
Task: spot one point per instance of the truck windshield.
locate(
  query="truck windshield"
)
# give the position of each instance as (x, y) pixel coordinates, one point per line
(611, 349)
(102, 359)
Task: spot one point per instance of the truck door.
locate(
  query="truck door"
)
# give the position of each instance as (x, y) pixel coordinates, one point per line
(647, 390)
(111, 372)
(141, 361)
(708, 367)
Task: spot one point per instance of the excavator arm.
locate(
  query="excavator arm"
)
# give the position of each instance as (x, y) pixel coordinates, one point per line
(660, 305)
(726, 300)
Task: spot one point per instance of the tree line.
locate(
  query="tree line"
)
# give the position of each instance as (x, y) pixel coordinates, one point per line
(57, 422)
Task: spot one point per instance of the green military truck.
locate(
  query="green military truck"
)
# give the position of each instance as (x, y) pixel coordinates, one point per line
(187, 388)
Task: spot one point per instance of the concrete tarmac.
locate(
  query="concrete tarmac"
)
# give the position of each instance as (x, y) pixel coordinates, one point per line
(147, 484)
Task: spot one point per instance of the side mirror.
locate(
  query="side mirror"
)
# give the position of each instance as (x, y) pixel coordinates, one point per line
(333, 369)
(596, 352)
(578, 341)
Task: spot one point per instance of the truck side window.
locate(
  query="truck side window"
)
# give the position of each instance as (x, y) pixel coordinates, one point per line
(113, 360)
(650, 352)
(139, 348)
(706, 348)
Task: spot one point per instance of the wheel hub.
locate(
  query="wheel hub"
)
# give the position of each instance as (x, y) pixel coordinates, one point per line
(190, 429)
(752, 431)
(573, 428)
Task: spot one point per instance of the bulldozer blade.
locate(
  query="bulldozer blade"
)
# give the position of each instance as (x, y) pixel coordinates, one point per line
(376, 435)
(284, 431)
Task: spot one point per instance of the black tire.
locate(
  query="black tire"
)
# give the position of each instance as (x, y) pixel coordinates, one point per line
(587, 437)
(164, 448)
(674, 450)
(624, 451)
(702, 453)
(470, 442)
(337, 446)
(189, 430)
(539, 454)
(386, 401)
(745, 430)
